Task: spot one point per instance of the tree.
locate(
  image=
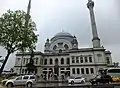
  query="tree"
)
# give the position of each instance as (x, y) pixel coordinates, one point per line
(16, 33)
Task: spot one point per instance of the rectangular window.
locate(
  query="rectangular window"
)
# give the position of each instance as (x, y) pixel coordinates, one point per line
(24, 60)
(36, 60)
(61, 68)
(68, 69)
(86, 60)
(92, 70)
(62, 72)
(87, 71)
(78, 71)
(73, 70)
(81, 59)
(73, 60)
(82, 70)
(107, 59)
(77, 59)
(90, 59)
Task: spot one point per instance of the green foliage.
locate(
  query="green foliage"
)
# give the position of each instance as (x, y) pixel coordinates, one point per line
(15, 34)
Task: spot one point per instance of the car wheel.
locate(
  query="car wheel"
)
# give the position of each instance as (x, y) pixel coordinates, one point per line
(29, 84)
(82, 82)
(9, 85)
(72, 82)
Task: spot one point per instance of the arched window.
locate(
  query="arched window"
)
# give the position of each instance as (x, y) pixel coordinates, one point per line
(68, 61)
(45, 62)
(66, 46)
(51, 61)
(55, 47)
(62, 61)
(56, 61)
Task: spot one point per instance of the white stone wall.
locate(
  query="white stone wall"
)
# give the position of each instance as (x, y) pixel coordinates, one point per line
(64, 41)
(98, 61)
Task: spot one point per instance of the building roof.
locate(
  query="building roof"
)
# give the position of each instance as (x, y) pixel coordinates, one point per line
(28, 53)
(61, 34)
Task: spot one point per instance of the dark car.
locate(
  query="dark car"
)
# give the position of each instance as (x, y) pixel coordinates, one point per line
(101, 79)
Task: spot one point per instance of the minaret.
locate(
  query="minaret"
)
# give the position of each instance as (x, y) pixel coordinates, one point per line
(95, 40)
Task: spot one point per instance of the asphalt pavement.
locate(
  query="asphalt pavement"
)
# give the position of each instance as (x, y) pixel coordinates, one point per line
(66, 85)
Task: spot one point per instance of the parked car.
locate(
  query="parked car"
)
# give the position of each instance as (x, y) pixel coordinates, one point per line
(27, 80)
(101, 79)
(76, 80)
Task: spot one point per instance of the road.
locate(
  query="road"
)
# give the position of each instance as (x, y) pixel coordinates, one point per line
(66, 85)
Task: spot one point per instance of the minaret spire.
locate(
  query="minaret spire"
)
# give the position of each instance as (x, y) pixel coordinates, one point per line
(95, 40)
(29, 7)
(28, 13)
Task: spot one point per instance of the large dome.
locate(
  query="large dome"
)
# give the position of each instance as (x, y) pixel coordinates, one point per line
(63, 34)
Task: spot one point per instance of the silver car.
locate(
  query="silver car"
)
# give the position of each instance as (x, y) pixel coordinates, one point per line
(27, 80)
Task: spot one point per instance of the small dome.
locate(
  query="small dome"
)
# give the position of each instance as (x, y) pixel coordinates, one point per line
(63, 34)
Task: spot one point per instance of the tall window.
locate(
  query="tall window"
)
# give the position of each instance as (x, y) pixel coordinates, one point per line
(36, 60)
(45, 62)
(91, 70)
(82, 70)
(73, 59)
(23, 71)
(90, 59)
(62, 61)
(78, 71)
(51, 61)
(68, 61)
(107, 59)
(87, 71)
(81, 59)
(86, 60)
(56, 61)
(77, 59)
(41, 61)
(73, 70)
(24, 60)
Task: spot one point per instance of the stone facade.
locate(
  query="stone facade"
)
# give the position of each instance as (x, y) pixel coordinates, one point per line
(63, 57)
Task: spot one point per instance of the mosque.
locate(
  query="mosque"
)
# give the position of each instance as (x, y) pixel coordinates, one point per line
(62, 56)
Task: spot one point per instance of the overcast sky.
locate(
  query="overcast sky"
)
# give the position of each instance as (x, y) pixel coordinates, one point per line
(53, 16)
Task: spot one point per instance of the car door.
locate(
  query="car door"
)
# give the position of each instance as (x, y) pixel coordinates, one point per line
(77, 80)
(18, 80)
(25, 78)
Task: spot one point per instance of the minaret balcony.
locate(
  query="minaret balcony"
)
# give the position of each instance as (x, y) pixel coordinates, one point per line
(90, 4)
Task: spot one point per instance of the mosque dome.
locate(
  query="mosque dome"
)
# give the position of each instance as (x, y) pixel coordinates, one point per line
(62, 41)
(63, 34)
